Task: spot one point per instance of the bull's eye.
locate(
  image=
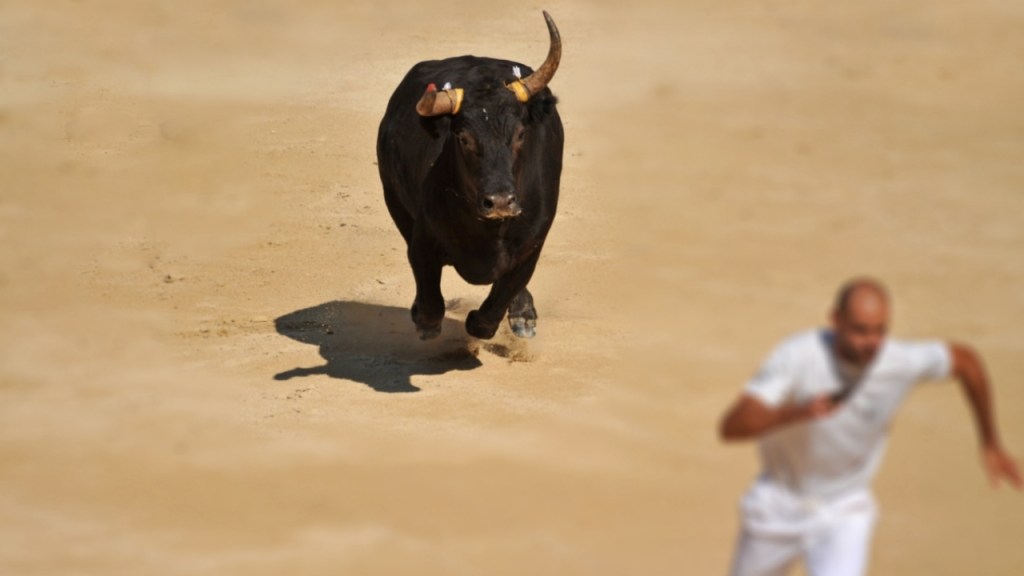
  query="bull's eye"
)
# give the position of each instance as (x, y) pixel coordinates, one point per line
(466, 141)
(517, 140)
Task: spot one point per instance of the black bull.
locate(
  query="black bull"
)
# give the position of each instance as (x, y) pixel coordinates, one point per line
(471, 174)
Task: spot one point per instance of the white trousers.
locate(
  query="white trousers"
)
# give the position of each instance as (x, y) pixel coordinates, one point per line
(831, 539)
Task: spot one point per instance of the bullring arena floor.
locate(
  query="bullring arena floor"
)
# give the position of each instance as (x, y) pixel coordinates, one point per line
(189, 197)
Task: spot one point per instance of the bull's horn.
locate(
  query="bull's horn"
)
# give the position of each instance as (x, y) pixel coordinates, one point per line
(537, 81)
(431, 105)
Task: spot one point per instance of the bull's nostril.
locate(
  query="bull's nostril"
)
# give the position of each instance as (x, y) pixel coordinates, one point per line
(487, 204)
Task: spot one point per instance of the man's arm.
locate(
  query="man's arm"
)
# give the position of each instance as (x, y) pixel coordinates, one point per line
(970, 372)
(750, 418)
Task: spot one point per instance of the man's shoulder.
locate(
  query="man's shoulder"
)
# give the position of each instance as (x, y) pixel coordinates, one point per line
(809, 341)
(903, 347)
(801, 349)
(797, 366)
(929, 359)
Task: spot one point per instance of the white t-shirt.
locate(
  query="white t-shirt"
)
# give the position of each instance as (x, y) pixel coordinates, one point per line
(838, 455)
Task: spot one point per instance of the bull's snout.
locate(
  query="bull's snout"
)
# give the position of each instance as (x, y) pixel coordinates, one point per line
(501, 205)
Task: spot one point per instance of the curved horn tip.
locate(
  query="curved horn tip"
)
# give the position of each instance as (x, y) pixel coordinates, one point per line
(551, 25)
(540, 77)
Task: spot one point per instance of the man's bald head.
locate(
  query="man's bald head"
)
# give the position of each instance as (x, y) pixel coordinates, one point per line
(860, 293)
(860, 319)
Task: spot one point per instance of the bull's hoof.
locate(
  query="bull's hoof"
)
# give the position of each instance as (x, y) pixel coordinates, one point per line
(428, 332)
(478, 329)
(523, 327)
(427, 329)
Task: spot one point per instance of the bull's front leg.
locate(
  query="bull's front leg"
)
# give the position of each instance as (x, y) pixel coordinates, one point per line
(428, 307)
(483, 323)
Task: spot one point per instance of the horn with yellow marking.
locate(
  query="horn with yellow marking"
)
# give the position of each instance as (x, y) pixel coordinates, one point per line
(527, 87)
(436, 102)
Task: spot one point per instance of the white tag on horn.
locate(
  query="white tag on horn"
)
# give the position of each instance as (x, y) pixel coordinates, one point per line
(517, 72)
(447, 86)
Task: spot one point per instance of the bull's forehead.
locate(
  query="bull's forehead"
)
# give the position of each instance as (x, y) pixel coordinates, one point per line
(495, 115)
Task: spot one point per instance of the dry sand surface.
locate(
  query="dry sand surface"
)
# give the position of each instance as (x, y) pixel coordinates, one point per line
(206, 360)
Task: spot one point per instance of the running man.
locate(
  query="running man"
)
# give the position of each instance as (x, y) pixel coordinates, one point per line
(821, 407)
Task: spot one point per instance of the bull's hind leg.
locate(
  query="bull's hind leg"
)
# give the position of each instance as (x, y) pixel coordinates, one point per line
(522, 316)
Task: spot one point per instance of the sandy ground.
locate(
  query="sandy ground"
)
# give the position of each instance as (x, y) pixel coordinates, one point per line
(189, 201)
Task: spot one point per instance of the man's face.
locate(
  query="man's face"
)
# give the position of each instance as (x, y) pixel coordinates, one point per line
(860, 328)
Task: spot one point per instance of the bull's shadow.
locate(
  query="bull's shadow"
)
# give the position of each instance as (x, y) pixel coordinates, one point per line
(375, 345)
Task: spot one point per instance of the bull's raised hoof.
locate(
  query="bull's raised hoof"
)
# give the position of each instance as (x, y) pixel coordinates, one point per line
(478, 328)
(522, 316)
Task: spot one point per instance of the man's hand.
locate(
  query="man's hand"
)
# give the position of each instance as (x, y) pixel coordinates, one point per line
(1000, 467)
(820, 407)
(970, 372)
(750, 418)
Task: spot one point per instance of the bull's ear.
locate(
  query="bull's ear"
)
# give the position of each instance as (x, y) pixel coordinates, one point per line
(436, 102)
